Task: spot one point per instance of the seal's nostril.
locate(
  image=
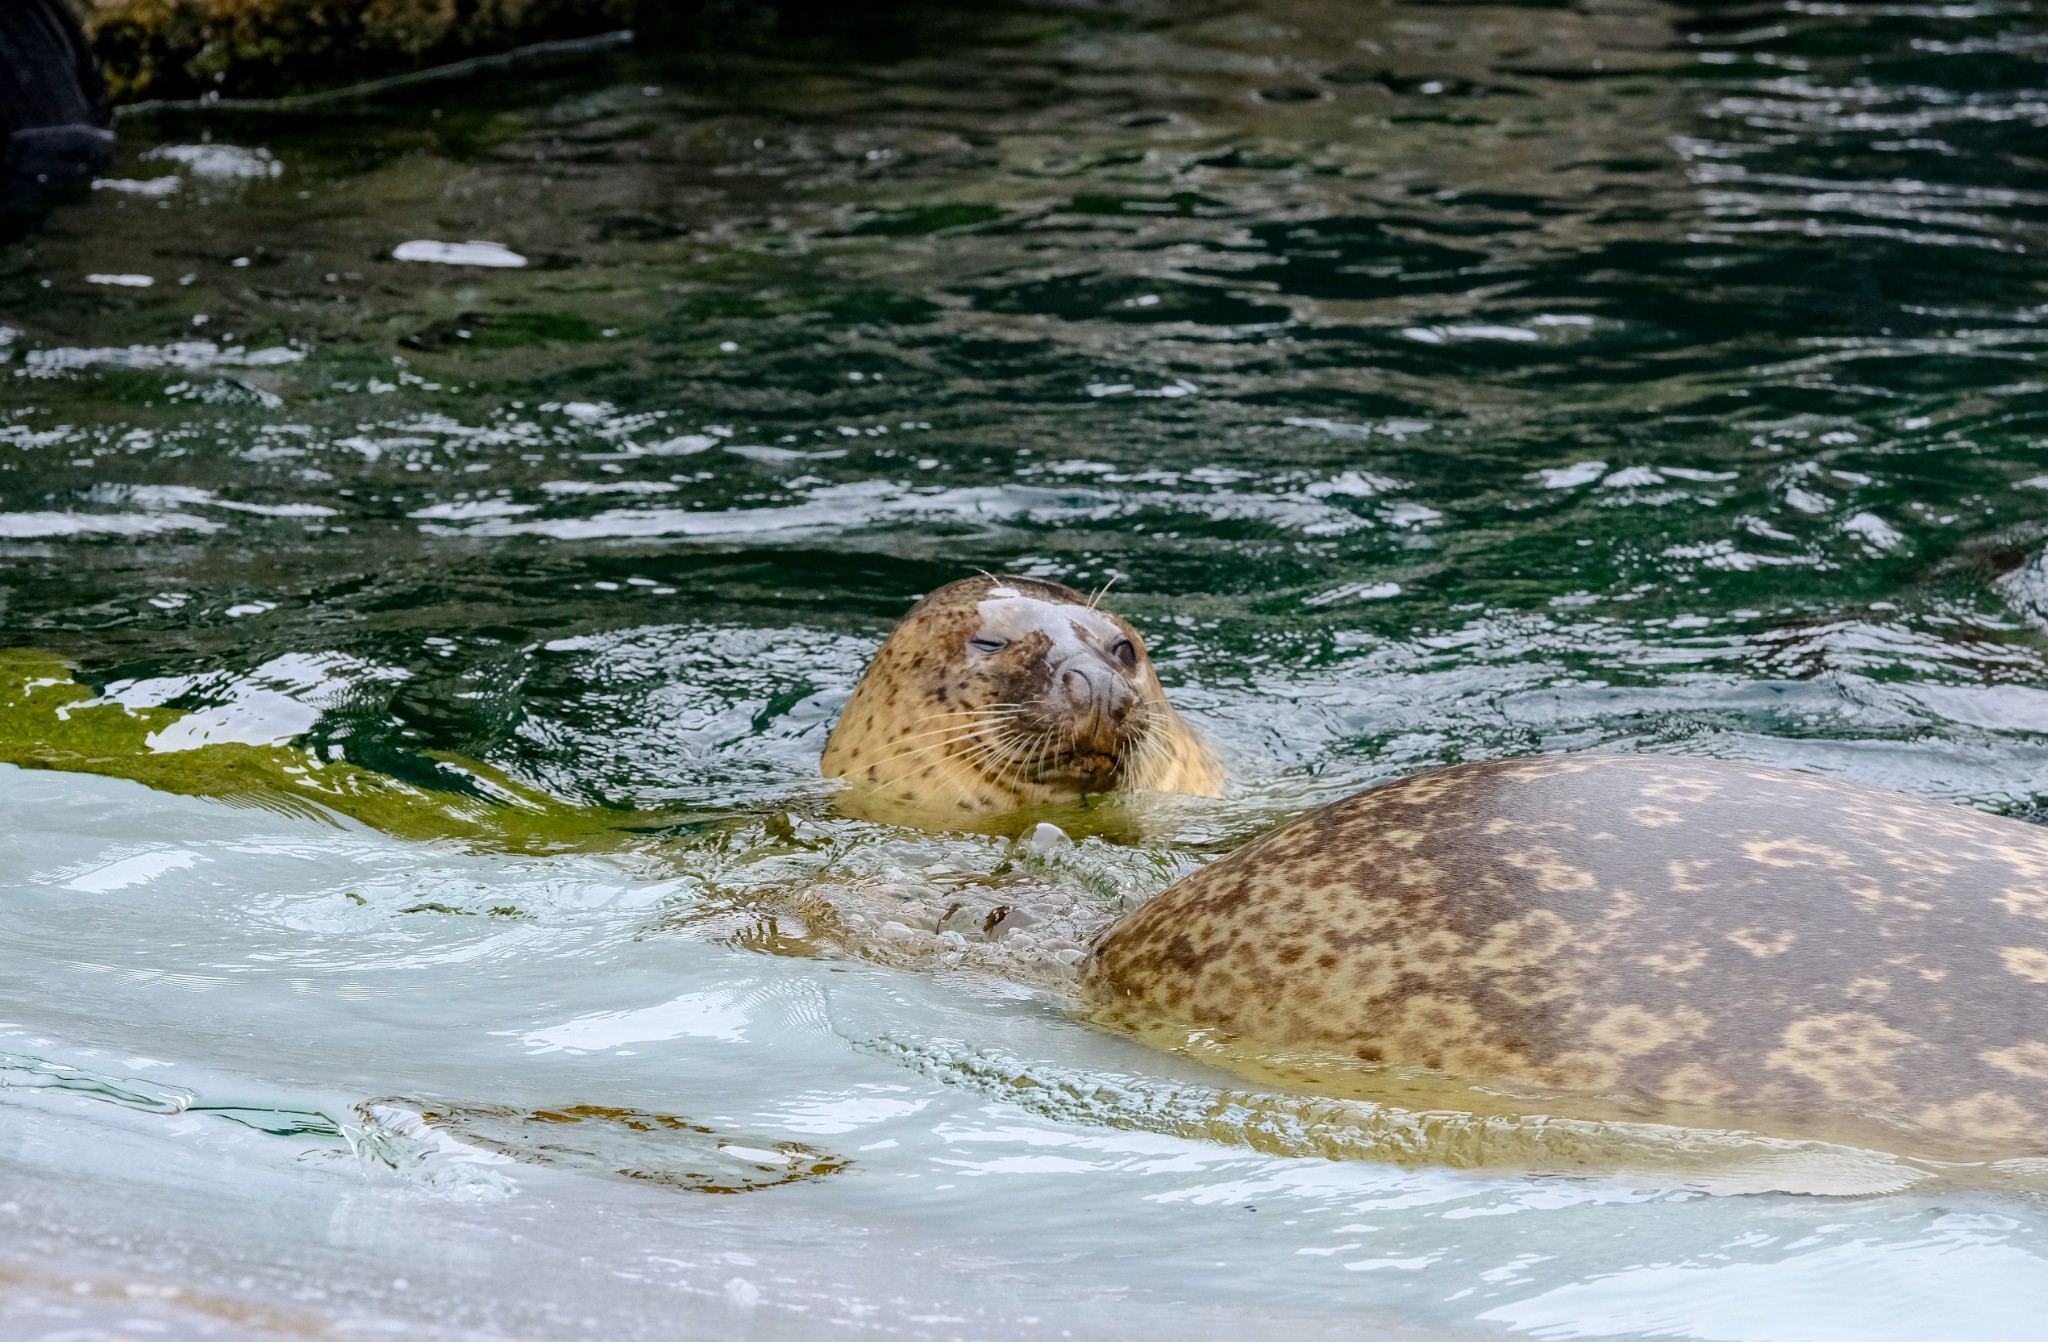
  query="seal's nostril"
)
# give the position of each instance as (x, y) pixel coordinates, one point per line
(1077, 687)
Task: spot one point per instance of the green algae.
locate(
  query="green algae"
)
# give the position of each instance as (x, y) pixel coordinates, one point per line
(48, 720)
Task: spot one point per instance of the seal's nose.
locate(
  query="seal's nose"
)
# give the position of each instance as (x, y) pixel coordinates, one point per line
(1096, 689)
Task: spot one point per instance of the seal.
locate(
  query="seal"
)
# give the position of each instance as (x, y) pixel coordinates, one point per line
(999, 692)
(1675, 932)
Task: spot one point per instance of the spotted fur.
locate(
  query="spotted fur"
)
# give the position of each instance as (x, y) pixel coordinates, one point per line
(999, 692)
(1685, 930)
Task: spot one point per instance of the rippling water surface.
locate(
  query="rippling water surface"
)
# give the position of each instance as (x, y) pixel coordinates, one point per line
(526, 468)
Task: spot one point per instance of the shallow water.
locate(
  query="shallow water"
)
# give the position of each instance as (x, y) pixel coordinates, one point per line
(1434, 382)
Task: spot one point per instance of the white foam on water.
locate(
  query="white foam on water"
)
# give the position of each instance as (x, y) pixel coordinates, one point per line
(218, 162)
(490, 254)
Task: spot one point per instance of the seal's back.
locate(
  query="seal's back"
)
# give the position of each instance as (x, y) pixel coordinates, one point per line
(1696, 931)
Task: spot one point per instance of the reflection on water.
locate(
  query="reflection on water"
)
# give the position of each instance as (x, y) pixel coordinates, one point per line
(1436, 382)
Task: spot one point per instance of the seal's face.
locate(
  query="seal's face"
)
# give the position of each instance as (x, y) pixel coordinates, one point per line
(1057, 688)
(999, 691)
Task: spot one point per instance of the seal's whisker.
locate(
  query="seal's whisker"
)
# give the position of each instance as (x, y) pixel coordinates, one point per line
(973, 717)
(998, 760)
(941, 744)
(908, 754)
(995, 760)
(1008, 745)
(1020, 754)
(1154, 752)
(925, 740)
(1146, 741)
(996, 744)
(1008, 753)
(1045, 739)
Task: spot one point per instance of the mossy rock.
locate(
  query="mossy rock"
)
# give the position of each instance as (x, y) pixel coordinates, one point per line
(272, 48)
(48, 720)
(265, 48)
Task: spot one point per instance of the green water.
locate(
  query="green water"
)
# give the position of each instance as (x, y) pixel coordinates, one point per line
(1318, 382)
(1435, 382)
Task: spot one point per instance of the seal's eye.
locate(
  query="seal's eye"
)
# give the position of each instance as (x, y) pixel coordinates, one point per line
(985, 646)
(1126, 654)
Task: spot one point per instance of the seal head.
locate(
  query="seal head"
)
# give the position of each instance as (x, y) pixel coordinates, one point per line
(997, 692)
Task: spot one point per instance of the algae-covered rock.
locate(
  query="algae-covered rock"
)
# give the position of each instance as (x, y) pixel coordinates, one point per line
(48, 720)
(265, 48)
(273, 48)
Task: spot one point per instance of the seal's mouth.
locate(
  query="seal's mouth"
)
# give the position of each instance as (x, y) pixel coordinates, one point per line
(1088, 753)
(1088, 771)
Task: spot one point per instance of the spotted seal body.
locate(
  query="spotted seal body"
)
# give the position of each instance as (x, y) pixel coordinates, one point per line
(1000, 692)
(1732, 936)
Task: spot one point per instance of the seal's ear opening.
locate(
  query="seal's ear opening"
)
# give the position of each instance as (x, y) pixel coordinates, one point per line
(53, 109)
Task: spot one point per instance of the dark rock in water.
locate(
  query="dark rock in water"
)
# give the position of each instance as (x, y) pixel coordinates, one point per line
(1714, 936)
(53, 111)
